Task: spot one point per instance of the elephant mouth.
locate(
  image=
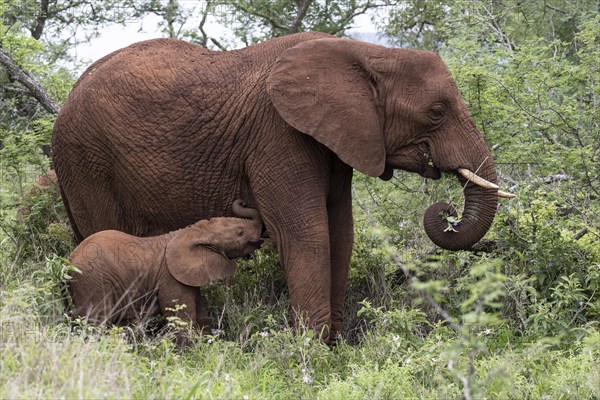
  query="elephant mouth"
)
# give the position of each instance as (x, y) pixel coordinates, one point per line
(251, 246)
(413, 158)
(432, 172)
(429, 169)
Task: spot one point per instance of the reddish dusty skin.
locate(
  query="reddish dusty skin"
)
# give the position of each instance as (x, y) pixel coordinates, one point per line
(162, 133)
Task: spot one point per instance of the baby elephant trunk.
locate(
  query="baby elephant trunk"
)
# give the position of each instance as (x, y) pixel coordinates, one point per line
(241, 209)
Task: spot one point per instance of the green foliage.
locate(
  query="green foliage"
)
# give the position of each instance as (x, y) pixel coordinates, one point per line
(52, 297)
(255, 298)
(373, 381)
(519, 321)
(39, 226)
(394, 330)
(256, 21)
(562, 271)
(431, 25)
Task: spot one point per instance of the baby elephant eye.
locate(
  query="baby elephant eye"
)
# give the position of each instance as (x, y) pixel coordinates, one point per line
(240, 232)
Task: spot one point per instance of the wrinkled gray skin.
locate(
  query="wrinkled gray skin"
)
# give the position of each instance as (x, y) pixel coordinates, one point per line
(162, 133)
(125, 277)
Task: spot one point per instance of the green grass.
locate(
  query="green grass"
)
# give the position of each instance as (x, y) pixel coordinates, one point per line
(462, 325)
(44, 355)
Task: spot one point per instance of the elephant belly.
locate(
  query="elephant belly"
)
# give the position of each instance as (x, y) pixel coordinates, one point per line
(179, 195)
(104, 303)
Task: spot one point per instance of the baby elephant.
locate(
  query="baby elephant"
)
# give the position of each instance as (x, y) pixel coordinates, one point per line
(124, 277)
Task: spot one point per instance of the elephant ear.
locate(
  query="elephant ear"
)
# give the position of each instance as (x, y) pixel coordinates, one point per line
(322, 88)
(192, 262)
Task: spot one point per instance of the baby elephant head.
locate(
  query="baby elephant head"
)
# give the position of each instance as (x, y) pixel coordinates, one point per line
(203, 252)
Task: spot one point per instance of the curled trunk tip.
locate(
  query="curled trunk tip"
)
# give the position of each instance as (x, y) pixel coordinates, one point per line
(241, 209)
(440, 227)
(449, 231)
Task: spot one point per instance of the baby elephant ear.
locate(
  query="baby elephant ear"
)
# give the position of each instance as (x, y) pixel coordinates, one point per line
(192, 263)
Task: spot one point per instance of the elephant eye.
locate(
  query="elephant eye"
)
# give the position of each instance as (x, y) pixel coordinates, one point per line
(437, 112)
(240, 232)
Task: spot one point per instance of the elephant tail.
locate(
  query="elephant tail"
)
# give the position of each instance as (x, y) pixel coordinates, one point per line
(76, 232)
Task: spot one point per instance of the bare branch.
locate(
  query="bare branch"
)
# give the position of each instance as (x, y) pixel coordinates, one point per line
(302, 7)
(33, 86)
(14, 90)
(218, 44)
(581, 233)
(464, 380)
(270, 20)
(355, 12)
(555, 9)
(204, 40)
(495, 25)
(40, 21)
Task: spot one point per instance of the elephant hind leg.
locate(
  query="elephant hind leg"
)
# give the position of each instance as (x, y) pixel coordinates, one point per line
(94, 303)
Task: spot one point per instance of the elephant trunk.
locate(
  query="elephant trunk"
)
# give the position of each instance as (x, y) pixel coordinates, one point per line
(441, 221)
(241, 209)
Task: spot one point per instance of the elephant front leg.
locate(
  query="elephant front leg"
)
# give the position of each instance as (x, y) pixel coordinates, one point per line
(178, 306)
(307, 271)
(302, 238)
(292, 200)
(341, 238)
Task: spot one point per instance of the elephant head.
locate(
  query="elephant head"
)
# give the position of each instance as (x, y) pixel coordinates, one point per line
(202, 252)
(381, 109)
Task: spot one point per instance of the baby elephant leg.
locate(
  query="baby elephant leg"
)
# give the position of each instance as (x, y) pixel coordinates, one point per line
(180, 307)
(94, 303)
(202, 319)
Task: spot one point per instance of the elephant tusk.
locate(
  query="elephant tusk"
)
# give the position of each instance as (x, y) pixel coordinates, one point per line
(506, 195)
(476, 179)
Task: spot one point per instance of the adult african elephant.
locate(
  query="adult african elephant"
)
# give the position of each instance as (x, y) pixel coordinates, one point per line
(163, 133)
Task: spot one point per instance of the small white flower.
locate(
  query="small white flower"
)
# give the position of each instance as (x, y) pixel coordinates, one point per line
(246, 397)
(307, 379)
(407, 361)
(264, 334)
(487, 331)
(209, 341)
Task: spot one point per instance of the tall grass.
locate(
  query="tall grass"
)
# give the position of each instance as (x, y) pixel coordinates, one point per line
(418, 326)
